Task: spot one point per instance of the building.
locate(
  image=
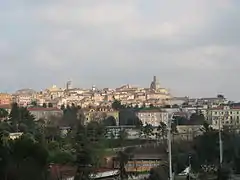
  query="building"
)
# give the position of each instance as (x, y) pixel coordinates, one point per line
(131, 132)
(24, 99)
(45, 113)
(144, 159)
(14, 136)
(5, 99)
(225, 116)
(187, 132)
(152, 116)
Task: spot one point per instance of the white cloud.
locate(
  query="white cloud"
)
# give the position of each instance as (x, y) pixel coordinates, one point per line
(112, 42)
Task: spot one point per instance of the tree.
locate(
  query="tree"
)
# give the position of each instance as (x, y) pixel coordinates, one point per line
(109, 121)
(14, 116)
(161, 131)
(116, 105)
(3, 113)
(50, 105)
(159, 173)
(122, 158)
(151, 106)
(147, 131)
(89, 149)
(224, 173)
(44, 105)
(34, 103)
(72, 116)
(206, 128)
(122, 137)
(21, 119)
(197, 118)
(62, 107)
(23, 159)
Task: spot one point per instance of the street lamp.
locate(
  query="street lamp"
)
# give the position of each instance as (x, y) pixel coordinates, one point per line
(220, 136)
(189, 166)
(170, 146)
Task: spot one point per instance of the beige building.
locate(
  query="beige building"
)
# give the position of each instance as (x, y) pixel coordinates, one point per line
(45, 113)
(5, 99)
(153, 117)
(225, 115)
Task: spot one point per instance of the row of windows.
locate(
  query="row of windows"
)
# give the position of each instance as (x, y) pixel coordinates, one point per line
(143, 165)
(230, 112)
(229, 122)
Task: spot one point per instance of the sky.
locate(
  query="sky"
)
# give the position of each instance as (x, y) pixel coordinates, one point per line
(192, 46)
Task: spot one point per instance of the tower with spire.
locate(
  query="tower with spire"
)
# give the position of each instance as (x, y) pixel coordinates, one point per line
(154, 84)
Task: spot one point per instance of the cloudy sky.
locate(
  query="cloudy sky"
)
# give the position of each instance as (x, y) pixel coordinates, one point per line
(193, 46)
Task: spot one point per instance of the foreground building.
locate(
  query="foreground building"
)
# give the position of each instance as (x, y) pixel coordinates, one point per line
(152, 116)
(225, 116)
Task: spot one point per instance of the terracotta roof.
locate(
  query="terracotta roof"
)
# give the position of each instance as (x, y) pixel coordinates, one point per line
(235, 107)
(5, 106)
(66, 171)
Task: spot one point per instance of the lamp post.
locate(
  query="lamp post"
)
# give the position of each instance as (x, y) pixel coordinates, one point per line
(189, 165)
(220, 137)
(220, 141)
(170, 147)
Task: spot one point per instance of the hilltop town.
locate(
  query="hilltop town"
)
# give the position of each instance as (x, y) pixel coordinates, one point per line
(56, 96)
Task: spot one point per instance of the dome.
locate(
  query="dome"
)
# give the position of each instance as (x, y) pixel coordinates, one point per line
(53, 88)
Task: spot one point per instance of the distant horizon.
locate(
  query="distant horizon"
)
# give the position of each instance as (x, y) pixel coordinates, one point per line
(99, 87)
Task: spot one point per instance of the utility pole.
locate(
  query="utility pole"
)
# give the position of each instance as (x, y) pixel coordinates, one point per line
(220, 136)
(170, 147)
(189, 165)
(220, 141)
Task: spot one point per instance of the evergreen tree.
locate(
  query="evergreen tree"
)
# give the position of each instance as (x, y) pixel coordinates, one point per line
(89, 148)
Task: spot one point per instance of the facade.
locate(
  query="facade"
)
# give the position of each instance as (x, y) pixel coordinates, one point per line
(14, 136)
(152, 116)
(5, 99)
(113, 132)
(225, 116)
(45, 113)
(188, 132)
(24, 99)
(100, 113)
(140, 165)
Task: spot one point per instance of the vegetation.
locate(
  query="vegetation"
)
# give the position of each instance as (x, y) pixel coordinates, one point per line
(85, 144)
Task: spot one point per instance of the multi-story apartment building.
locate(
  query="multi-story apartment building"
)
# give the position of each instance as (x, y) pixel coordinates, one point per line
(5, 99)
(45, 113)
(152, 116)
(24, 99)
(100, 114)
(225, 115)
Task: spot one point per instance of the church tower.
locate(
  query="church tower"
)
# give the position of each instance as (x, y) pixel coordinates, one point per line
(154, 84)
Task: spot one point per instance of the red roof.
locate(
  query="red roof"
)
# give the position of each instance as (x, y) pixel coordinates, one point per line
(236, 107)
(5, 106)
(43, 109)
(66, 171)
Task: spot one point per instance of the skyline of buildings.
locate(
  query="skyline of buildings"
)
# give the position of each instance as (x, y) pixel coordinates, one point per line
(72, 84)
